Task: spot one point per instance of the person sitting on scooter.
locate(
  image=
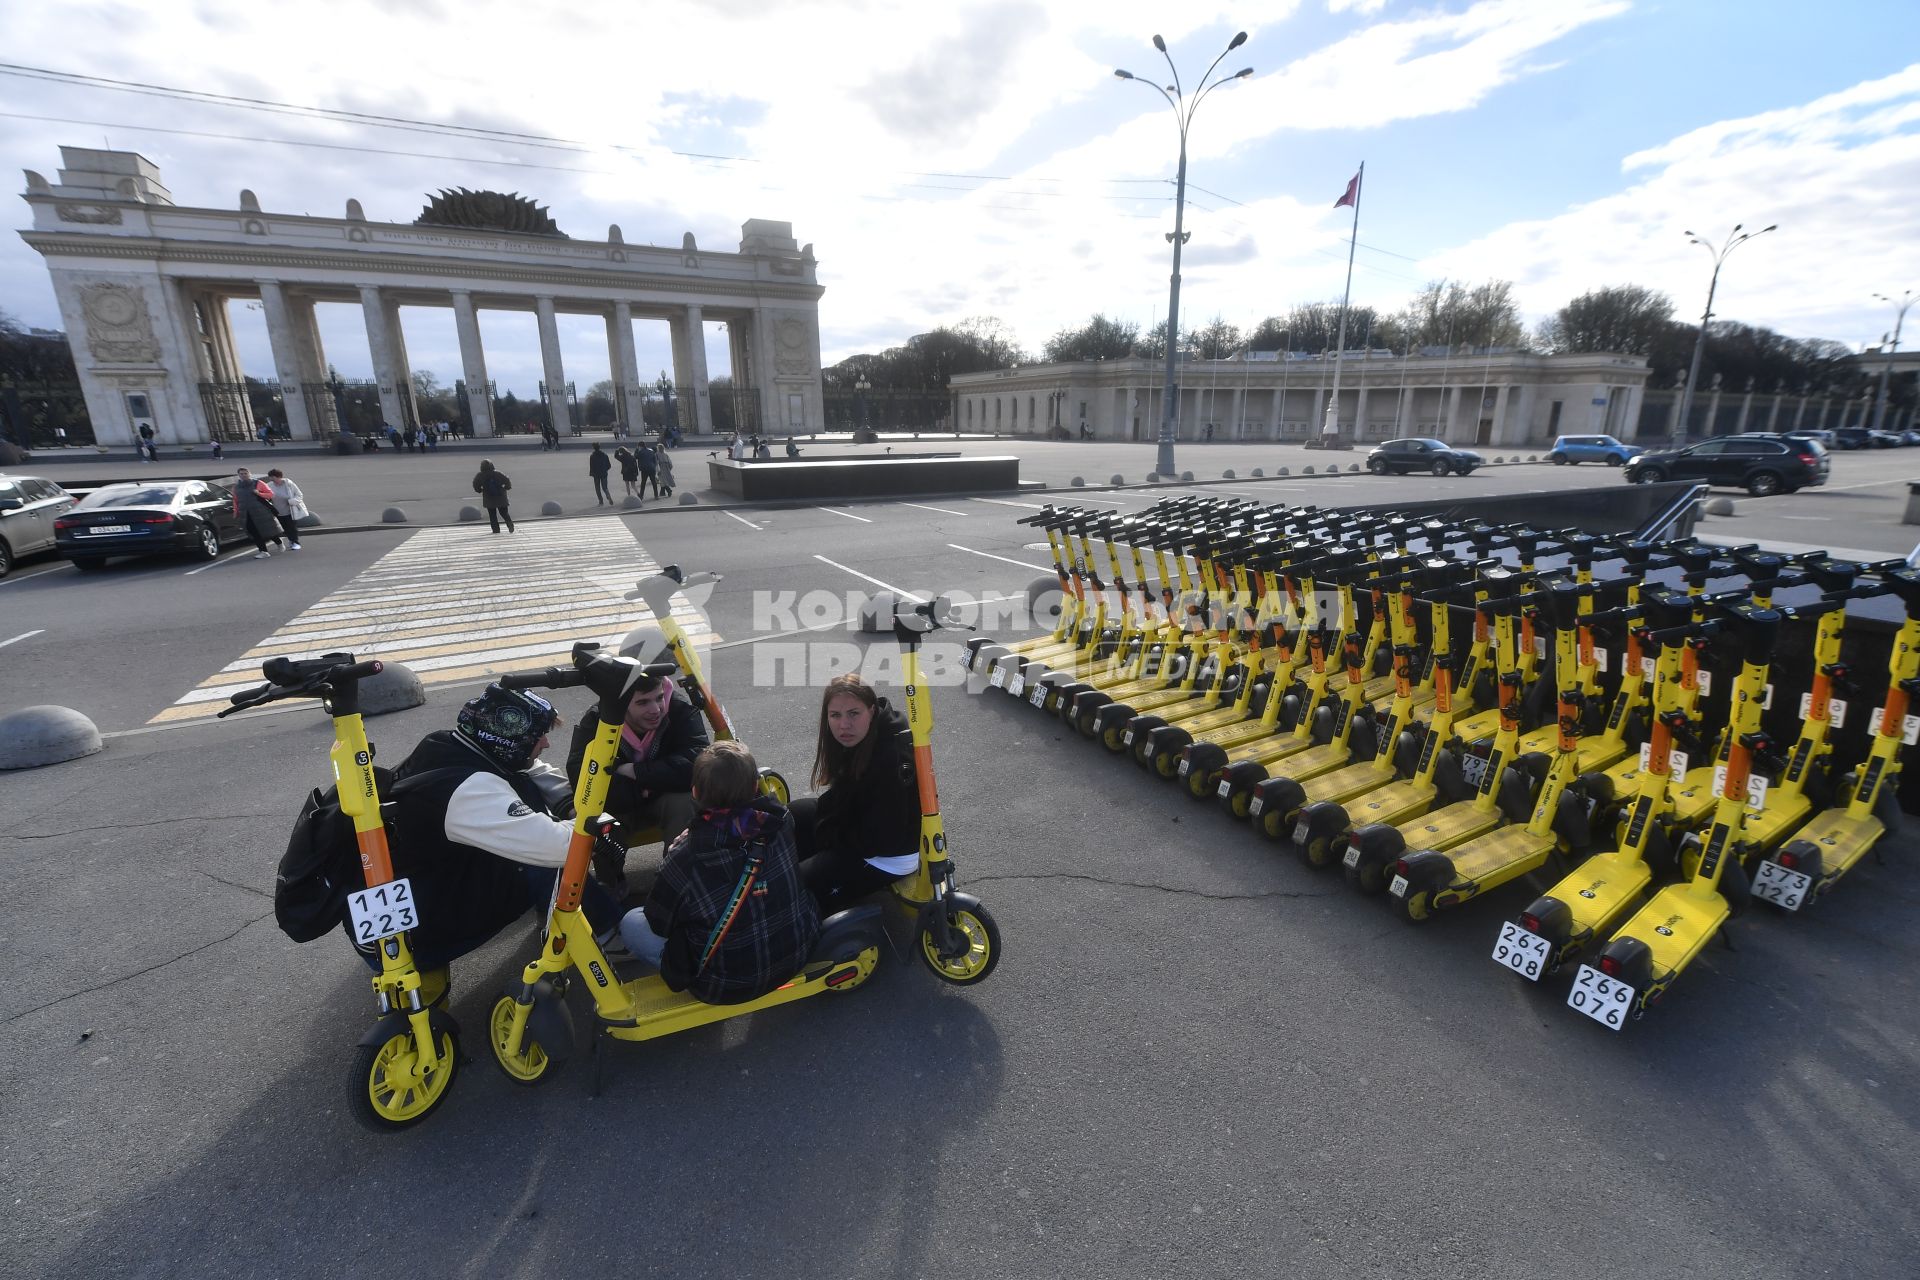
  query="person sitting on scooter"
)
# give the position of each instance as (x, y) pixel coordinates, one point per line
(862, 832)
(479, 838)
(727, 920)
(653, 772)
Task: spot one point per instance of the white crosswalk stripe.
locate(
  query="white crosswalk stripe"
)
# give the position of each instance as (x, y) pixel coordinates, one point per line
(455, 604)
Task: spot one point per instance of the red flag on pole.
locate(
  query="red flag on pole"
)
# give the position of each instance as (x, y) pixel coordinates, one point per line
(1352, 195)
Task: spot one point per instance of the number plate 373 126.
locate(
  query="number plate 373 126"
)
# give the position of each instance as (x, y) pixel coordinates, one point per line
(382, 911)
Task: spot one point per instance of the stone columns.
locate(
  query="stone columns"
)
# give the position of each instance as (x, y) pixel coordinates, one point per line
(626, 367)
(1401, 414)
(1450, 425)
(1630, 420)
(1746, 409)
(473, 364)
(402, 368)
(550, 360)
(1713, 415)
(286, 358)
(373, 309)
(1360, 413)
(1499, 434)
(693, 396)
(1773, 414)
(1239, 414)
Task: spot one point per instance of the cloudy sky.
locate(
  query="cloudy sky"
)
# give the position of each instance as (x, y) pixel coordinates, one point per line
(978, 157)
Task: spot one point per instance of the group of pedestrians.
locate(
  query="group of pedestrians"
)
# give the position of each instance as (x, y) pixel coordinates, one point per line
(414, 439)
(269, 510)
(641, 467)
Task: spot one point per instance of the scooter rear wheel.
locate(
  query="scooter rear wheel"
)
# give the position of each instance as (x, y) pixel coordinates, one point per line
(982, 953)
(531, 1065)
(385, 1092)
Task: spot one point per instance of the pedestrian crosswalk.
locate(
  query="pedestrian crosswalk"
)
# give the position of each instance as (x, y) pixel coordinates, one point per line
(462, 603)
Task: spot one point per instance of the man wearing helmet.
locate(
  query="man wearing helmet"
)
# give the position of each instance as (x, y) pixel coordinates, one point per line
(652, 783)
(476, 828)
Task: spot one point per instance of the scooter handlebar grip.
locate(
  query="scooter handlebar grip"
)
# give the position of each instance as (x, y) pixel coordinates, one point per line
(548, 678)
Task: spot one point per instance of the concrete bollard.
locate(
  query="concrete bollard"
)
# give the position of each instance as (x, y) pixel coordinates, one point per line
(1719, 506)
(1281, 471)
(1912, 515)
(1044, 599)
(551, 509)
(1353, 466)
(688, 500)
(308, 521)
(396, 688)
(1228, 474)
(1153, 477)
(1116, 478)
(1186, 477)
(469, 515)
(631, 503)
(1533, 457)
(43, 735)
(1257, 473)
(1305, 471)
(1078, 482)
(393, 515)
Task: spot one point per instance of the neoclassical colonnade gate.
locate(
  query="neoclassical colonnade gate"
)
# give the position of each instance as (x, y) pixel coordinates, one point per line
(143, 284)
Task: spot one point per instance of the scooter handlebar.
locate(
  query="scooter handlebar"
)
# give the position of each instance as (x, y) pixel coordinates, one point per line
(547, 678)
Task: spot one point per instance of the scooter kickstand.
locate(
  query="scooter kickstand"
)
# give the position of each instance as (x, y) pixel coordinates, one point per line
(1726, 938)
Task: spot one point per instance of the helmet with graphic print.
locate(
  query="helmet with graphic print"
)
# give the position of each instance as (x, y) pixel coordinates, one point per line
(506, 725)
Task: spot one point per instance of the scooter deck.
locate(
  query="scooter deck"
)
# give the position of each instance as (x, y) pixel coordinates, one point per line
(1217, 718)
(1314, 761)
(1691, 799)
(1345, 783)
(1594, 753)
(1675, 924)
(1379, 687)
(1598, 890)
(1498, 856)
(660, 1012)
(1239, 734)
(1842, 840)
(1267, 750)
(1393, 804)
(1446, 827)
(1768, 828)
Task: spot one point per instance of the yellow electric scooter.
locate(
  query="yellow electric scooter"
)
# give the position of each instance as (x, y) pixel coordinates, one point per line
(406, 1062)
(530, 1030)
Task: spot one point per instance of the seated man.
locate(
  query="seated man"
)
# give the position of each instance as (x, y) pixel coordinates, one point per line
(475, 831)
(652, 774)
(728, 919)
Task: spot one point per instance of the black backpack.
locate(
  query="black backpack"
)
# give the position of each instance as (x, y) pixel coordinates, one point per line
(322, 863)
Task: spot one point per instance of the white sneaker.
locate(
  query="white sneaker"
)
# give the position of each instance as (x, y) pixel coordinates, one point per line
(262, 555)
(294, 547)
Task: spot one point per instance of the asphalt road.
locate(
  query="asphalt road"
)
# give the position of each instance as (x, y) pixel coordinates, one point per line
(1198, 1057)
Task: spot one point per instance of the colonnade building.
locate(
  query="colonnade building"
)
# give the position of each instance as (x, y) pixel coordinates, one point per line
(1465, 396)
(143, 286)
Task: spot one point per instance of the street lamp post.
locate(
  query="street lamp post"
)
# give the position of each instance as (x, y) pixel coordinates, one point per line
(1901, 304)
(860, 387)
(1733, 241)
(1183, 112)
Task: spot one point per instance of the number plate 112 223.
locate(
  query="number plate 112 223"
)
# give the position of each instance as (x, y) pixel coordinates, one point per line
(382, 911)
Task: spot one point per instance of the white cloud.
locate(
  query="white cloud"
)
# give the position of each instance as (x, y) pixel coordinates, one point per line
(1840, 175)
(1363, 7)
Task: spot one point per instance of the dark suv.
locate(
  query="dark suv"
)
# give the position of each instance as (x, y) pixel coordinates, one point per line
(1759, 464)
(1421, 453)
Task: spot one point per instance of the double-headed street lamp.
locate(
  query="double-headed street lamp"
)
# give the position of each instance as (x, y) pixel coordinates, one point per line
(1183, 110)
(1901, 304)
(1734, 240)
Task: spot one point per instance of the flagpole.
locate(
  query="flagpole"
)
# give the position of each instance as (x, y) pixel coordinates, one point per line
(1330, 426)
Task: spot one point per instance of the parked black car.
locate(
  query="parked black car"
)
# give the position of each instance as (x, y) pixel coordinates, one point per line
(158, 518)
(1759, 464)
(1864, 438)
(1421, 453)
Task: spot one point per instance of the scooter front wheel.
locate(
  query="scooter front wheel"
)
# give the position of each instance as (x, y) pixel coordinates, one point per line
(529, 1066)
(982, 935)
(772, 784)
(389, 1089)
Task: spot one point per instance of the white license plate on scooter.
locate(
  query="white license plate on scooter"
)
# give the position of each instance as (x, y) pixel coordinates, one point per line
(1186, 766)
(998, 679)
(1126, 738)
(1224, 790)
(1606, 1000)
(1352, 858)
(1522, 950)
(1015, 685)
(1300, 831)
(1781, 886)
(1254, 806)
(1399, 887)
(1039, 696)
(383, 911)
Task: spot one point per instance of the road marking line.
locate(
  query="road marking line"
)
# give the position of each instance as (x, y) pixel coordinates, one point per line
(942, 510)
(742, 519)
(37, 573)
(238, 555)
(1806, 517)
(1846, 488)
(989, 555)
(875, 581)
(1002, 502)
(25, 635)
(847, 514)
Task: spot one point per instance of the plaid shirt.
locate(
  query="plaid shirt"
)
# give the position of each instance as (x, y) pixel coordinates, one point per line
(773, 923)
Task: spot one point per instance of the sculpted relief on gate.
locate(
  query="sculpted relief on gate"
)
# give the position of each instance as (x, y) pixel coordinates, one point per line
(119, 326)
(793, 346)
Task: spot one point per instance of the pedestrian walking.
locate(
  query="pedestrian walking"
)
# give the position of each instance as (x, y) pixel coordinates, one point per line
(647, 459)
(598, 465)
(147, 451)
(253, 505)
(289, 505)
(664, 480)
(629, 469)
(492, 485)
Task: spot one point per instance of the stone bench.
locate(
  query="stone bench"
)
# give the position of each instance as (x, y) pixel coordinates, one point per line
(777, 479)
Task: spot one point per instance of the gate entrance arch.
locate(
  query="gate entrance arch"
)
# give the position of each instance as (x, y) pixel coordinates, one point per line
(143, 284)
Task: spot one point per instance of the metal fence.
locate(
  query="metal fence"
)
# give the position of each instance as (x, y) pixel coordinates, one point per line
(888, 409)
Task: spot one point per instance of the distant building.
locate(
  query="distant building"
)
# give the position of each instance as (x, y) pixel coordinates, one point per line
(1500, 397)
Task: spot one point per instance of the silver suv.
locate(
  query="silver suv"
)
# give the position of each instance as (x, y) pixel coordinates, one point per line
(28, 507)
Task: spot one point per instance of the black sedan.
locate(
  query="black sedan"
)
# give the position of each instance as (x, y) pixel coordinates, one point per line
(158, 518)
(1421, 453)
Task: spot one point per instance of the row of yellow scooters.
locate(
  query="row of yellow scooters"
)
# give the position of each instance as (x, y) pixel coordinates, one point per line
(1421, 703)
